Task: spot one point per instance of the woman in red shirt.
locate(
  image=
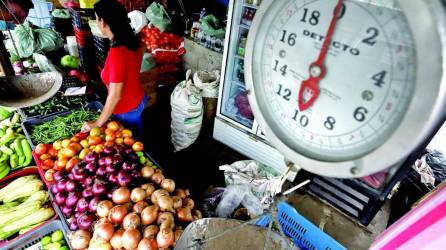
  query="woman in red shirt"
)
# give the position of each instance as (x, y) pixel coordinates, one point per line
(125, 99)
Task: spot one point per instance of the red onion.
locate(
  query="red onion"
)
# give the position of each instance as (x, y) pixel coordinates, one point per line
(60, 198)
(58, 175)
(82, 205)
(77, 214)
(124, 178)
(61, 184)
(88, 192)
(101, 162)
(110, 168)
(117, 159)
(71, 176)
(67, 211)
(87, 182)
(136, 174)
(71, 199)
(113, 178)
(132, 157)
(92, 205)
(85, 221)
(90, 157)
(99, 188)
(127, 165)
(108, 160)
(73, 225)
(109, 150)
(101, 171)
(54, 189)
(128, 151)
(91, 167)
(70, 186)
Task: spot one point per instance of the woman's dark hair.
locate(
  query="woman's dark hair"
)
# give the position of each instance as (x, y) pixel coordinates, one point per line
(115, 15)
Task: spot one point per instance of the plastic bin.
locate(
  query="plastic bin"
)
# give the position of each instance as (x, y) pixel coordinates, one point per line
(35, 237)
(304, 233)
(18, 241)
(28, 124)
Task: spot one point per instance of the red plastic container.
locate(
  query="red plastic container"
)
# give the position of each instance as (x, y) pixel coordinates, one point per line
(10, 178)
(41, 171)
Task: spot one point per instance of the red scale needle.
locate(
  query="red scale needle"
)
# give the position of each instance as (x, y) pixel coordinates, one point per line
(309, 90)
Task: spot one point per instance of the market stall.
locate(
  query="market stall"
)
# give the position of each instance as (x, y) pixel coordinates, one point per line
(226, 132)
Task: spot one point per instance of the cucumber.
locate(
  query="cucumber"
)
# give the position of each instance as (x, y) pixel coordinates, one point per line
(18, 147)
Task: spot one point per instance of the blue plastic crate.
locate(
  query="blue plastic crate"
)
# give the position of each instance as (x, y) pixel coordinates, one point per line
(304, 233)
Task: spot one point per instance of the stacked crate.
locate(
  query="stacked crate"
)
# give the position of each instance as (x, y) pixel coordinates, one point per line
(84, 37)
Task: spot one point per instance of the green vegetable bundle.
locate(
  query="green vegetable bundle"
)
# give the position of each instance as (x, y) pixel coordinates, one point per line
(22, 206)
(15, 151)
(62, 127)
(59, 103)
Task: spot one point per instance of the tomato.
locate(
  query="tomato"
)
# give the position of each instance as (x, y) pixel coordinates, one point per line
(49, 175)
(41, 149)
(129, 141)
(108, 131)
(52, 152)
(83, 153)
(119, 140)
(94, 140)
(68, 152)
(70, 164)
(57, 145)
(75, 139)
(137, 146)
(109, 143)
(95, 132)
(76, 146)
(98, 149)
(60, 164)
(110, 137)
(47, 164)
(127, 133)
(113, 125)
(45, 157)
(84, 143)
(81, 135)
(65, 143)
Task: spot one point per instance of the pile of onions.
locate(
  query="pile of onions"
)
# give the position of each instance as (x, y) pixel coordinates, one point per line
(142, 221)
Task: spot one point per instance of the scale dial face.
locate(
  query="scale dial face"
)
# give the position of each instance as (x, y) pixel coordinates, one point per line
(367, 82)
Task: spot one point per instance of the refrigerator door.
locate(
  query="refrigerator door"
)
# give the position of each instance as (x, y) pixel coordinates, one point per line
(233, 102)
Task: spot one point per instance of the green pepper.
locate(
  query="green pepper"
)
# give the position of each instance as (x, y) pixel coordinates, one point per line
(27, 152)
(14, 161)
(18, 147)
(6, 150)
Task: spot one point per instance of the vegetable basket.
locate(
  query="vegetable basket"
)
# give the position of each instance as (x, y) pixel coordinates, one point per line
(29, 124)
(34, 237)
(17, 241)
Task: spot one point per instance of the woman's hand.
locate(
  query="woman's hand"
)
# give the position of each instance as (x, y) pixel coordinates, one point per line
(89, 126)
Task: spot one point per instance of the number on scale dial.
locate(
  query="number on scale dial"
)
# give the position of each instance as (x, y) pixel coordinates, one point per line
(338, 75)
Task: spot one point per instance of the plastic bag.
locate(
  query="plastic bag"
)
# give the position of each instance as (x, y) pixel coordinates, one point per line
(260, 178)
(156, 14)
(29, 41)
(231, 199)
(187, 113)
(210, 26)
(437, 163)
(211, 200)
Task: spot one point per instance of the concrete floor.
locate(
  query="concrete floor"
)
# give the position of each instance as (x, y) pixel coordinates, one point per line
(343, 229)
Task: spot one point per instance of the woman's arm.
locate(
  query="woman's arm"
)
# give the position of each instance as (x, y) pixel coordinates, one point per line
(114, 95)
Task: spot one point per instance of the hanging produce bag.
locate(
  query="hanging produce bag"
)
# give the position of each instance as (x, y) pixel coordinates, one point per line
(211, 26)
(165, 47)
(29, 41)
(156, 14)
(187, 113)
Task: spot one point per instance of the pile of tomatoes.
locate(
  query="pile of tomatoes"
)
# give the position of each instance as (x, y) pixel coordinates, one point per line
(165, 47)
(64, 154)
